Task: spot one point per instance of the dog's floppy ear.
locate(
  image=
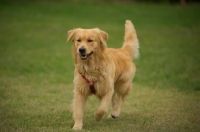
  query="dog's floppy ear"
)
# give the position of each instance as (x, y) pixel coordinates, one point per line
(71, 34)
(103, 38)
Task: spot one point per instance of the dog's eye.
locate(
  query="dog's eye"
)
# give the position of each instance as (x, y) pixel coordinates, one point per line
(89, 40)
(79, 40)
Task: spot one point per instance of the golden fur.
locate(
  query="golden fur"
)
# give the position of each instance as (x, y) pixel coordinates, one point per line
(110, 70)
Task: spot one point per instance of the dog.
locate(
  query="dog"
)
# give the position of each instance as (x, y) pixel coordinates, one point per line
(101, 71)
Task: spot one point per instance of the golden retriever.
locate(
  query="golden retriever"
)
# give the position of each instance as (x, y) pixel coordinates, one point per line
(101, 71)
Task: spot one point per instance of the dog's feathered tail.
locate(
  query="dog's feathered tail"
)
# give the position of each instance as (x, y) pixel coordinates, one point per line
(131, 44)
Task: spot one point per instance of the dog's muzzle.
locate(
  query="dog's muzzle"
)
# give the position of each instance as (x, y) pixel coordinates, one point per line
(83, 54)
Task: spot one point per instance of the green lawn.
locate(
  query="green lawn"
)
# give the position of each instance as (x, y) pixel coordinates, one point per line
(36, 66)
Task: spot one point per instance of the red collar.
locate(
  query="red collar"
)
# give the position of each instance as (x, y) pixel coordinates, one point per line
(91, 84)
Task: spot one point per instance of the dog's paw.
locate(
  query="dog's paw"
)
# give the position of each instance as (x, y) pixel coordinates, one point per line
(115, 113)
(77, 127)
(114, 116)
(99, 115)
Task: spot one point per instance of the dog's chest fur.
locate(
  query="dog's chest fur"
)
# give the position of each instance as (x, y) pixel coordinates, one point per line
(93, 73)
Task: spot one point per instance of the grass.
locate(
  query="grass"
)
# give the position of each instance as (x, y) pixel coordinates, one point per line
(36, 66)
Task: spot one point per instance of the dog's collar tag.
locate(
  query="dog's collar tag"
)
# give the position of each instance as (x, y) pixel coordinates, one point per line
(91, 84)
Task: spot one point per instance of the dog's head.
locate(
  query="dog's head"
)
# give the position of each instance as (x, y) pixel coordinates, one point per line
(87, 41)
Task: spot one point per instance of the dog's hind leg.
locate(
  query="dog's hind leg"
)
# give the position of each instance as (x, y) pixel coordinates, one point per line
(114, 99)
(119, 102)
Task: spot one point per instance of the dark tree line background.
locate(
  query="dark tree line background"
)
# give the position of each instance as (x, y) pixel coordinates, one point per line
(169, 1)
(161, 1)
(152, 1)
(183, 2)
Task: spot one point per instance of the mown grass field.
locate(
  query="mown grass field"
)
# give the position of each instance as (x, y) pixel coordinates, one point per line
(36, 66)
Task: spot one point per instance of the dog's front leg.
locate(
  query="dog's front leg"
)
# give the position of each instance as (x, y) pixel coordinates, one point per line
(103, 106)
(78, 108)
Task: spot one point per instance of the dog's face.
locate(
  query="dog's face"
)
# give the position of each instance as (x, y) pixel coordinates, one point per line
(87, 41)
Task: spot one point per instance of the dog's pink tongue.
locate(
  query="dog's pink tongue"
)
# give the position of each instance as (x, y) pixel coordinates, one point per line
(83, 56)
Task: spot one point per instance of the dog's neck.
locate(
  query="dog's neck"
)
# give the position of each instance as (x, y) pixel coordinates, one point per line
(94, 67)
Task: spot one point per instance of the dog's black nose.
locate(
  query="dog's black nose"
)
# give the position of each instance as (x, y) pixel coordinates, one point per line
(82, 50)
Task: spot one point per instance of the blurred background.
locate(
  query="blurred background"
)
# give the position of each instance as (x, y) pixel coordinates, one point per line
(36, 64)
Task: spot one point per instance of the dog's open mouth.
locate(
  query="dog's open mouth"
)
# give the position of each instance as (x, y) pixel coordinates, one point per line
(85, 56)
